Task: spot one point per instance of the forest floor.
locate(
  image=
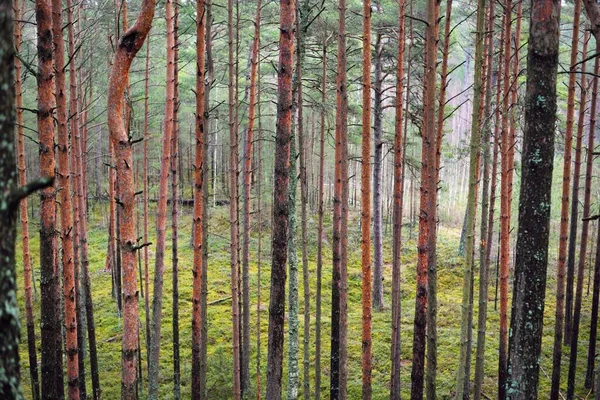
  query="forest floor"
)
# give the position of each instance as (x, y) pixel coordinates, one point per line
(450, 273)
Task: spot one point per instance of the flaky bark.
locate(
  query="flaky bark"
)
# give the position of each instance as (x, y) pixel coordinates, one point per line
(280, 200)
(129, 44)
(427, 203)
(51, 344)
(534, 204)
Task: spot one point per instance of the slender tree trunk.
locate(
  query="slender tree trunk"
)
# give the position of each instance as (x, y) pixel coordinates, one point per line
(207, 77)
(589, 376)
(18, 6)
(504, 206)
(365, 205)
(584, 236)
(568, 241)
(534, 204)
(486, 209)
(378, 303)
(78, 145)
(300, 38)
(398, 203)
(247, 183)
(130, 43)
(66, 216)
(474, 156)
(427, 205)
(233, 210)
(51, 344)
(161, 212)
(340, 221)
(280, 200)
(259, 233)
(198, 384)
(320, 225)
(564, 310)
(146, 189)
(174, 204)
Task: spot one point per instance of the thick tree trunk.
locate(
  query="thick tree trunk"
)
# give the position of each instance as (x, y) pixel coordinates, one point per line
(18, 6)
(280, 200)
(365, 205)
(398, 188)
(534, 205)
(427, 205)
(129, 45)
(161, 211)
(51, 344)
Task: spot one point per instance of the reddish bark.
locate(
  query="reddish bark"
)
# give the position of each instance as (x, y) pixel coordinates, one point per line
(51, 344)
(280, 200)
(129, 44)
(198, 236)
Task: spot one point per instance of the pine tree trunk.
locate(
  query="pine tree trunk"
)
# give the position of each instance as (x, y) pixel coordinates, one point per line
(584, 232)
(340, 221)
(505, 211)
(66, 217)
(486, 209)
(280, 200)
(398, 188)
(365, 205)
(378, 303)
(567, 244)
(247, 186)
(233, 210)
(589, 376)
(51, 344)
(174, 204)
(534, 204)
(320, 225)
(427, 205)
(259, 233)
(18, 6)
(146, 189)
(198, 383)
(474, 156)
(129, 45)
(161, 212)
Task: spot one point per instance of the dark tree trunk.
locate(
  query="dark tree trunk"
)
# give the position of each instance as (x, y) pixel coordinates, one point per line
(280, 200)
(534, 205)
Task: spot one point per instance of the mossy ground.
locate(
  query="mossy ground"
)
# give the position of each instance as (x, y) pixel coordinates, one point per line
(108, 323)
